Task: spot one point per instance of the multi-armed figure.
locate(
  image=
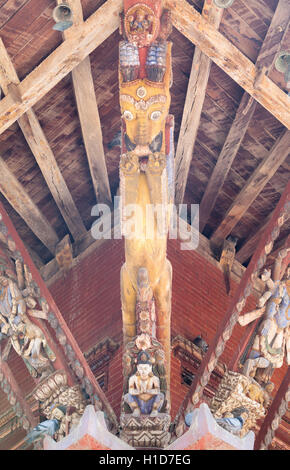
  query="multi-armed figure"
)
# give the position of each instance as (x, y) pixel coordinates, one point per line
(273, 338)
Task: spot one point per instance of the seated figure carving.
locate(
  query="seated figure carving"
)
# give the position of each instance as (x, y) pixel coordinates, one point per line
(144, 395)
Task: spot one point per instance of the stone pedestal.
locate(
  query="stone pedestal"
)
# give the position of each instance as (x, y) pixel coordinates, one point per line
(146, 431)
(205, 434)
(90, 434)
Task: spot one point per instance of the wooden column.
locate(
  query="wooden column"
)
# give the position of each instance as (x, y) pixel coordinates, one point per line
(275, 414)
(237, 304)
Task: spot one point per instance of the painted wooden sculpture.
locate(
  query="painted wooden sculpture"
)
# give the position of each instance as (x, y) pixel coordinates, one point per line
(147, 191)
(146, 167)
(272, 342)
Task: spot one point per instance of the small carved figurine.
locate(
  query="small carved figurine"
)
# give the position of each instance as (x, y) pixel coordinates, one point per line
(48, 427)
(144, 395)
(227, 259)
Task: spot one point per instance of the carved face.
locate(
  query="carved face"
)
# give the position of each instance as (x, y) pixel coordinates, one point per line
(3, 281)
(145, 107)
(57, 414)
(144, 370)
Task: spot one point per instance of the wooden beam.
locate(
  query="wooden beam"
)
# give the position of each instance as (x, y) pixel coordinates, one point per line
(274, 416)
(254, 186)
(228, 57)
(6, 373)
(85, 39)
(89, 115)
(76, 359)
(21, 202)
(244, 114)
(196, 89)
(104, 22)
(42, 152)
(250, 245)
(226, 326)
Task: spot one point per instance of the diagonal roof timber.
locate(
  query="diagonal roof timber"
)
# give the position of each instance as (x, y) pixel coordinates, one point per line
(244, 114)
(104, 22)
(89, 115)
(193, 106)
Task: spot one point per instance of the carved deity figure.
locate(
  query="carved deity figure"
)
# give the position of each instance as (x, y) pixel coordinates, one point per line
(26, 338)
(144, 395)
(273, 338)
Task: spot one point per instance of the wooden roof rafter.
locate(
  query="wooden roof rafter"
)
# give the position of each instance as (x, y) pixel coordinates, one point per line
(42, 152)
(196, 90)
(258, 180)
(244, 113)
(88, 114)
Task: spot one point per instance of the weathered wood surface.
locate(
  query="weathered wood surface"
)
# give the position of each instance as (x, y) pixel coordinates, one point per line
(244, 113)
(212, 43)
(21, 202)
(254, 186)
(197, 86)
(87, 37)
(89, 115)
(42, 152)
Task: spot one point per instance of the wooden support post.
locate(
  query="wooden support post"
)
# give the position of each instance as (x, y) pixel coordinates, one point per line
(244, 114)
(15, 397)
(275, 414)
(196, 89)
(226, 327)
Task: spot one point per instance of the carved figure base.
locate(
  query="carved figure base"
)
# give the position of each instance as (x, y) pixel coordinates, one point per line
(146, 431)
(237, 390)
(205, 434)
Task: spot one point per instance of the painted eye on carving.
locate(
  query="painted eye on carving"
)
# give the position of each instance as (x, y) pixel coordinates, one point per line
(155, 115)
(128, 115)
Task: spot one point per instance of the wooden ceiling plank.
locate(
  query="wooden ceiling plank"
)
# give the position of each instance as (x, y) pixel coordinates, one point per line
(42, 152)
(104, 22)
(84, 40)
(89, 114)
(244, 114)
(194, 101)
(228, 57)
(21, 202)
(254, 186)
